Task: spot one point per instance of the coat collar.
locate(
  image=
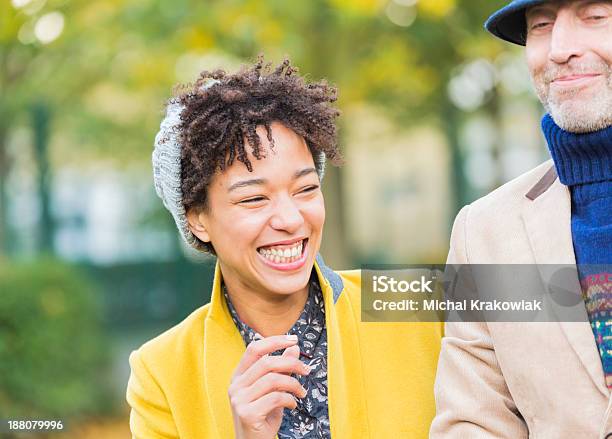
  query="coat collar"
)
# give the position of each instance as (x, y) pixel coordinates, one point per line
(547, 219)
(223, 348)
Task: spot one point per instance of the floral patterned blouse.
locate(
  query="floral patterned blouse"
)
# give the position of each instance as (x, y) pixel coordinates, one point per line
(310, 419)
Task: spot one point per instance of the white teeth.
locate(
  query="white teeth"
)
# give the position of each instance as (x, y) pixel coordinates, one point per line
(283, 256)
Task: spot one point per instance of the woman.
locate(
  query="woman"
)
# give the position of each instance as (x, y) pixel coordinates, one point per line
(280, 350)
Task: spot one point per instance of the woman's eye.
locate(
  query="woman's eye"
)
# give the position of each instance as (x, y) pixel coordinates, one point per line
(252, 200)
(309, 189)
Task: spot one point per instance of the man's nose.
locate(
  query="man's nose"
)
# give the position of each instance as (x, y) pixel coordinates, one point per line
(287, 215)
(565, 42)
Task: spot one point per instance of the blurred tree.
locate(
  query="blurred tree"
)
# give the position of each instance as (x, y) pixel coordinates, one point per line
(40, 125)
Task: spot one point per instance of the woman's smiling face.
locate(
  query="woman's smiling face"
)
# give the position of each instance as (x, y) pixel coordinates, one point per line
(266, 225)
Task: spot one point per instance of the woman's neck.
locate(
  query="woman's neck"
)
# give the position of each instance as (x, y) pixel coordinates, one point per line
(267, 313)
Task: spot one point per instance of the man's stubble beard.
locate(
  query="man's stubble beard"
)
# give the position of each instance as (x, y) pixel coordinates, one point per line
(568, 109)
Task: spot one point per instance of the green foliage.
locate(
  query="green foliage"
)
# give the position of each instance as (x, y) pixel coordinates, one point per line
(111, 69)
(52, 350)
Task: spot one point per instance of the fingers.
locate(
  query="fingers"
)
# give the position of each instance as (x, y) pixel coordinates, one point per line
(270, 383)
(284, 364)
(272, 401)
(261, 348)
(292, 351)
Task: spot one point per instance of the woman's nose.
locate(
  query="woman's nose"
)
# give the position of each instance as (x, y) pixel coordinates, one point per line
(286, 216)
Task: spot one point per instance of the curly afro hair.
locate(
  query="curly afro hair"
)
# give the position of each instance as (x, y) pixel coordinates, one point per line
(222, 111)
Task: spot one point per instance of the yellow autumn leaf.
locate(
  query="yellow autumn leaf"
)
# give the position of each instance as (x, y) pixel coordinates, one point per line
(196, 38)
(436, 8)
(359, 7)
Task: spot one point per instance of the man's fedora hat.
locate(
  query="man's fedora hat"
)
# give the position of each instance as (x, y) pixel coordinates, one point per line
(509, 22)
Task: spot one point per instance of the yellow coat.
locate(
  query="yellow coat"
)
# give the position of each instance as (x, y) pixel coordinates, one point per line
(380, 375)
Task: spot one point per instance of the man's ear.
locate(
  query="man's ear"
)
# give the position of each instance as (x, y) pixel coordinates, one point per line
(197, 224)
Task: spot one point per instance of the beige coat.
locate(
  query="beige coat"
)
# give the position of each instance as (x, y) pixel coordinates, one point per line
(519, 380)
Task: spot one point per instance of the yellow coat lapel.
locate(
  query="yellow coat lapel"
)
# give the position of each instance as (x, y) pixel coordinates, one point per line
(347, 402)
(223, 348)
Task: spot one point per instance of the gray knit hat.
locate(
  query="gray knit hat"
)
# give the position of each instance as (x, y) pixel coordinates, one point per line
(167, 168)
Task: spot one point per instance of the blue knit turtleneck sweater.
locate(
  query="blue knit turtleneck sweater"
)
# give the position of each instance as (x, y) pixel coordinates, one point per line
(584, 164)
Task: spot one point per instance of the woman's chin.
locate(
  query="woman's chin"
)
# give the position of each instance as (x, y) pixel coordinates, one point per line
(286, 286)
(287, 282)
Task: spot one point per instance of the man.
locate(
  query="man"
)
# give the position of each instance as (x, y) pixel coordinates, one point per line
(543, 380)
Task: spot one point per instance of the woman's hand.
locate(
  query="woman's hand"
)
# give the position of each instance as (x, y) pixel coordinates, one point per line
(262, 387)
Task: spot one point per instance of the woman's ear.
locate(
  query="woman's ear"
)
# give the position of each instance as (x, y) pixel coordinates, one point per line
(197, 224)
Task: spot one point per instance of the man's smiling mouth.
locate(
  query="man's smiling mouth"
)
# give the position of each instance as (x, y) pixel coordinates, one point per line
(574, 80)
